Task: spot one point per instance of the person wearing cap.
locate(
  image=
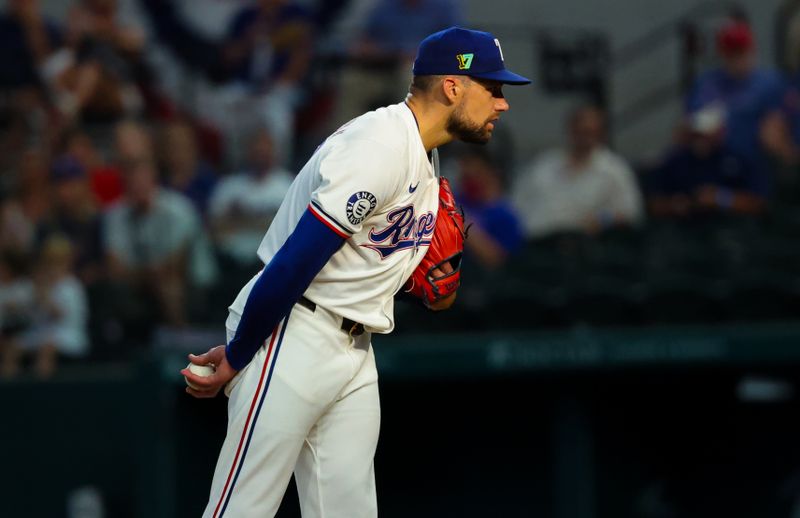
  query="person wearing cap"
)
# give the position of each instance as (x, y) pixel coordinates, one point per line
(298, 365)
(75, 215)
(705, 175)
(748, 94)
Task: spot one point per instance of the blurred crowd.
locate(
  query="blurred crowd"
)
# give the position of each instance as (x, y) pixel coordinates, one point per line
(125, 208)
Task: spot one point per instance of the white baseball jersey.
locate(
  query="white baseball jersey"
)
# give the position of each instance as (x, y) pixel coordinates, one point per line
(373, 183)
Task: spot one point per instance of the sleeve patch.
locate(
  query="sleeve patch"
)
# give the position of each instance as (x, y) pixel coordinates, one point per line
(359, 206)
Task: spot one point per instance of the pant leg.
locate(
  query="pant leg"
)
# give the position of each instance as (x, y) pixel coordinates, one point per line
(335, 470)
(274, 403)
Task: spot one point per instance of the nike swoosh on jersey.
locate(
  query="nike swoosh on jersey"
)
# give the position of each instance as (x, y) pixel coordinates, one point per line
(413, 188)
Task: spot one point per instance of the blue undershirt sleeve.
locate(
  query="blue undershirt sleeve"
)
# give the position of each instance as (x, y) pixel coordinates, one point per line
(280, 285)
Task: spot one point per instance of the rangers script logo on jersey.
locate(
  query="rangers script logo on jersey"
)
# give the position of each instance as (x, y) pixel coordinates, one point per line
(404, 232)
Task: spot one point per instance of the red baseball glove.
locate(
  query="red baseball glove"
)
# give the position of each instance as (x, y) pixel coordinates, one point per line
(439, 274)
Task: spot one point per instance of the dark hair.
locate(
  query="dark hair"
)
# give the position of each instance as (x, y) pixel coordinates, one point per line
(488, 159)
(424, 83)
(582, 109)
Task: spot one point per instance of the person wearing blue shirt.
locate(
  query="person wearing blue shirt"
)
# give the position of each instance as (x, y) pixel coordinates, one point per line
(380, 55)
(27, 38)
(396, 26)
(780, 135)
(267, 56)
(183, 168)
(496, 231)
(706, 175)
(747, 93)
(269, 42)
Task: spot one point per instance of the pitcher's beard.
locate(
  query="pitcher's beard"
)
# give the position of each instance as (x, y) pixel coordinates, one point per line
(465, 130)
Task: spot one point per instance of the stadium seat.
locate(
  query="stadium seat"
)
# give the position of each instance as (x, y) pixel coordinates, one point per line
(763, 296)
(525, 304)
(605, 301)
(680, 298)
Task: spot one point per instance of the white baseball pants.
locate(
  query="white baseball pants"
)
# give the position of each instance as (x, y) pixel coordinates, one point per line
(307, 403)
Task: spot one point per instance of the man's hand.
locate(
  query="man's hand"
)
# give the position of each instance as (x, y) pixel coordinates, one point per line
(448, 301)
(438, 275)
(210, 385)
(445, 303)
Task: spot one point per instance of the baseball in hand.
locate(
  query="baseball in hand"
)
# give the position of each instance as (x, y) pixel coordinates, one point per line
(200, 370)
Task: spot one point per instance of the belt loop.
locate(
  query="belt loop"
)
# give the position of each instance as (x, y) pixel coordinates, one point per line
(352, 328)
(307, 304)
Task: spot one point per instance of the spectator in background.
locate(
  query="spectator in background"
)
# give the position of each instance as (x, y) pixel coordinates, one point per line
(787, 32)
(17, 233)
(27, 39)
(16, 309)
(383, 52)
(105, 180)
(748, 94)
(58, 328)
(182, 168)
(780, 134)
(132, 142)
(269, 43)
(705, 175)
(31, 203)
(155, 243)
(94, 76)
(244, 204)
(16, 131)
(584, 187)
(26, 203)
(267, 54)
(495, 230)
(75, 218)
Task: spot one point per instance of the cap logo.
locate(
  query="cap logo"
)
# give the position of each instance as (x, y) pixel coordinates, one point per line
(465, 61)
(497, 42)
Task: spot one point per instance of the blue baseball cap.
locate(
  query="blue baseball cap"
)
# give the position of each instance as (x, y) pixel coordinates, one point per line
(464, 52)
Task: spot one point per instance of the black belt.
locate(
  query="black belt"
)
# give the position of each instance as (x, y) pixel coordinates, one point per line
(351, 327)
